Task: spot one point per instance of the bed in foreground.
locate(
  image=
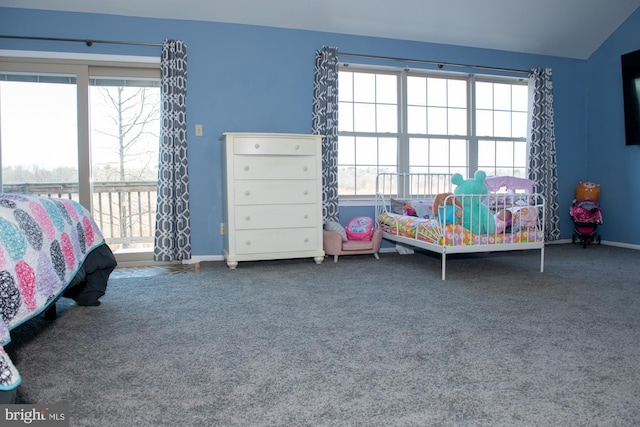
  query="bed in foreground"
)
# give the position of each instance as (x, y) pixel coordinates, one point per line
(49, 248)
(420, 210)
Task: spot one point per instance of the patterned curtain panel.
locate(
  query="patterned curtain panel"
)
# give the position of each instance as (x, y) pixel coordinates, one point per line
(173, 231)
(542, 156)
(325, 122)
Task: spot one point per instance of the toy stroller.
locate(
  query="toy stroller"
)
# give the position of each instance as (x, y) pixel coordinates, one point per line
(586, 215)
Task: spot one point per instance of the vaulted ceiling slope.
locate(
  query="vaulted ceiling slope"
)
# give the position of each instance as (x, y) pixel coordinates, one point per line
(566, 28)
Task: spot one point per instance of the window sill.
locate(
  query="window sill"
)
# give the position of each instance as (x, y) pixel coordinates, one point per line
(357, 202)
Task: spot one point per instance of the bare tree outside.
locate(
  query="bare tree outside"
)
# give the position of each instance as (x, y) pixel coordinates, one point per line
(124, 140)
(133, 120)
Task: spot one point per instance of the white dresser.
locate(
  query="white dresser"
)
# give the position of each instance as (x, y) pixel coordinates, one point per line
(273, 195)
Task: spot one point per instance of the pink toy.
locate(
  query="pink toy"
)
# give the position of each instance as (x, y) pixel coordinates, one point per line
(360, 228)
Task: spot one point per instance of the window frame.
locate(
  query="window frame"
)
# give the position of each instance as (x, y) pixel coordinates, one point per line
(402, 134)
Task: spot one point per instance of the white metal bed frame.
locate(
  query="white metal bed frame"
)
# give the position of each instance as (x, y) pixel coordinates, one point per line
(418, 186)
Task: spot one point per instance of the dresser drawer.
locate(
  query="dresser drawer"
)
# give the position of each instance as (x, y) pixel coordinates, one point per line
(275, 192)
(274, 167)
(258, 145)
(275, 216)
(276, 240)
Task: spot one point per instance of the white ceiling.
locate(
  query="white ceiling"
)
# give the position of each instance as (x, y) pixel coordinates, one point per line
(567, 28)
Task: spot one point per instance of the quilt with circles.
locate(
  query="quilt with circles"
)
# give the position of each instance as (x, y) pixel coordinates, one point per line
(43, 243)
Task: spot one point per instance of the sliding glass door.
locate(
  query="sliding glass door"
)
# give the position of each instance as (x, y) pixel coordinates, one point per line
(89, 132)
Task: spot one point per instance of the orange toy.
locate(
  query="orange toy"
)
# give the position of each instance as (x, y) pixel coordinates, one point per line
(587, 191)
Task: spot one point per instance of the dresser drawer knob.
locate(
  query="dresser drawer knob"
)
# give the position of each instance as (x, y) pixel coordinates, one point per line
(306, 216)
(306, 240)
(248, 218)
(247, 193)
(297, 147)
(305, 168)
(257, 146)
(246, 168)
(305, 192)
(248, 243)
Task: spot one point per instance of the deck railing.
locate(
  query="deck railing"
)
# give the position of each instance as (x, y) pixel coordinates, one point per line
(125, 211)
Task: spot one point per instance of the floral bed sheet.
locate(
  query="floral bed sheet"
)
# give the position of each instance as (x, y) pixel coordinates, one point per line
(432, 231)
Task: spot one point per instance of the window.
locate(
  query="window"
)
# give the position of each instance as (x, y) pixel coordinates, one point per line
(412, 121)
(86, 131)
(368, 130)
(39, 138)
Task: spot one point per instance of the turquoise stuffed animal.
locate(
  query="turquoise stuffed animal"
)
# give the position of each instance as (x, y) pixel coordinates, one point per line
(476, 216)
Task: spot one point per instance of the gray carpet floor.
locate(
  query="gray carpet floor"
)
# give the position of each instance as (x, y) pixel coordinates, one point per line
(361, 342)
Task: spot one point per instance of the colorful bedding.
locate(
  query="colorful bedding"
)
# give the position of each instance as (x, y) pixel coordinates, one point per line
(44, 243)
(432, 231)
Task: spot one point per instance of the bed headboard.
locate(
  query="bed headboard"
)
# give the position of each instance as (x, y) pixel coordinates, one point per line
(418, 185)
(413, 185)
(511, 184)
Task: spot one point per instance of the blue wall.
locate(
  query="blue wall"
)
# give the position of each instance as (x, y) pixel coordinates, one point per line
(612, 164)
(250, 78)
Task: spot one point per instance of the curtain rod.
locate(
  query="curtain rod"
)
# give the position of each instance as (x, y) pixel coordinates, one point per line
(85, 41)
(440, 64)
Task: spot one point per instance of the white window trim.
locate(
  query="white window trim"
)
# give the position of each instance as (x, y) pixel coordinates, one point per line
(39, 55)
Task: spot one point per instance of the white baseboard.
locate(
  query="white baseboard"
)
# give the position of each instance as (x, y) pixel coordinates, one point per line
(621, 245)
(559, 242)
(204, 258)
(603, 242)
